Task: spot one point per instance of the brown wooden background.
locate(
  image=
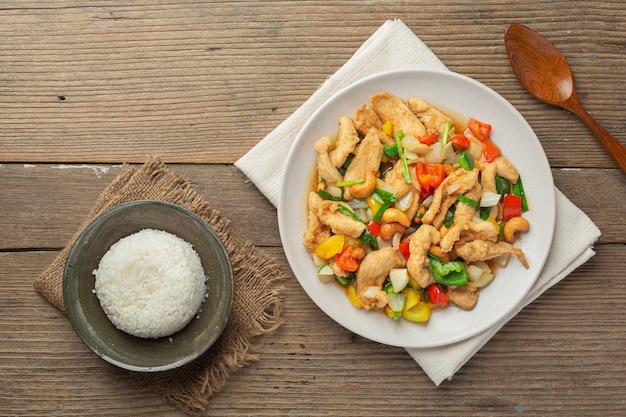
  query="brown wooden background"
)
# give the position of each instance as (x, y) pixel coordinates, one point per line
(88, 85)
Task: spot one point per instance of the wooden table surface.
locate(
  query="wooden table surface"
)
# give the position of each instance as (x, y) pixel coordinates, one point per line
(88, 85)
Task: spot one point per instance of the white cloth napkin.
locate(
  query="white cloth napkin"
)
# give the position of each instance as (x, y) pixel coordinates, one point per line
(395, 46)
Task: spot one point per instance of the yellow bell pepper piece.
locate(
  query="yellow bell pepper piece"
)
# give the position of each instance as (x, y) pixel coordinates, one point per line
(388, 128)
(373, 205)
(413, 283)
(414, 308)
(352, 296)
(330, 247)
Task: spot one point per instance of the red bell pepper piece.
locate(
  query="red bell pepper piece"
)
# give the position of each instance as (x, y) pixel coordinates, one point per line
(480, 129)
(460, 140)
(428, 138)
(429, 175)
(490, 151)
(345, 260)
(374, 228)
(511, 206)
(436, 295)
(404, 249)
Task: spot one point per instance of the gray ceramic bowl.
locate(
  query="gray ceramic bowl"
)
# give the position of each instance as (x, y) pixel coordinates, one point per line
(90, 321)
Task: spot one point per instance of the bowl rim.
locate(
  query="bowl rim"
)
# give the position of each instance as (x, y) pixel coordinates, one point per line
(80, 320)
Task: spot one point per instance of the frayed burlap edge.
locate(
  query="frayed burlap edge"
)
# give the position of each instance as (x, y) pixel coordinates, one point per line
(257, 304)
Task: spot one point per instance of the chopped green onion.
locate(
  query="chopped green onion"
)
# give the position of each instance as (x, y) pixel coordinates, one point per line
(350, 213)
(446, 135)
(391, 150)
(377, 197)
(467, 201)
(328, 196)
(386, 204)
(343, 168)
(518, 190)
(324, 268)
(388, 287)
(485, 212)
(385, 199)
(449, 219)
(502, 185)
(465, 161)
(349, 183)
(405, 166)
(385, 195)
(344, 281)
(369, 239)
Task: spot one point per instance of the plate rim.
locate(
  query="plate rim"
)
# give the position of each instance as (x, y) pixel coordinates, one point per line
(294, 149)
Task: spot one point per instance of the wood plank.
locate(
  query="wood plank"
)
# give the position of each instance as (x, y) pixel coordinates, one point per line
(46, 203)
(570, 345)
(113, 83)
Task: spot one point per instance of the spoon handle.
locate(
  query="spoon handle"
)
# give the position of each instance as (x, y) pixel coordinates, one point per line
(610, 143)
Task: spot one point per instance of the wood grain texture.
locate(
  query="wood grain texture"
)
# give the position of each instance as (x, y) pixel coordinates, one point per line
(88, 86)
(45, 204)
(109, 83)
(562, 355)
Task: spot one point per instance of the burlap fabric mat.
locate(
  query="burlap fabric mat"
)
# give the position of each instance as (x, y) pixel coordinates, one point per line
(257, 303)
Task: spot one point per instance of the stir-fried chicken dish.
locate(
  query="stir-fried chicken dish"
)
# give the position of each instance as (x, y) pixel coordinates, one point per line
(412, 211)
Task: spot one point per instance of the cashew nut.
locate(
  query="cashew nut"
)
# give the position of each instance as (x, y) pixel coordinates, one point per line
(358, 253)
(366, 188)
(514, 227)
(387, 230)
(394, 215)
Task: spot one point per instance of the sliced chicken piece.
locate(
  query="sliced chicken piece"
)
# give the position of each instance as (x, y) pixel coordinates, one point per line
(481, 250)
(458, 182)
(464, 297)
(464, 212)
(433, 119)
(316, 231)
(419, 244)
(367, 157)
(488, 176)
(469, 231)
(395, 178)
(347, 139)
(443, 211)
(506, 169)
(325, 168)
(365, 119)
(394, 109)
(329, 215)
(372, 272)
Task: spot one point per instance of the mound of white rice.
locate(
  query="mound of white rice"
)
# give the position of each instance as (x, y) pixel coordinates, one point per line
(150, 284)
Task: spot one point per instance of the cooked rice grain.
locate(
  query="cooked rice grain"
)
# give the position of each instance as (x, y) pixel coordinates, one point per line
(150, 284)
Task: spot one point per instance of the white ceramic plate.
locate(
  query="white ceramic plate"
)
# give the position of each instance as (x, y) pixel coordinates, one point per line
(518, 142)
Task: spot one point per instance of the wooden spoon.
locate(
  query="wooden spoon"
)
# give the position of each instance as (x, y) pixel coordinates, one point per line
(545, 73)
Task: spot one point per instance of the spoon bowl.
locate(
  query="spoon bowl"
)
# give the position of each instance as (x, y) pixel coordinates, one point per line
(546, 75)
